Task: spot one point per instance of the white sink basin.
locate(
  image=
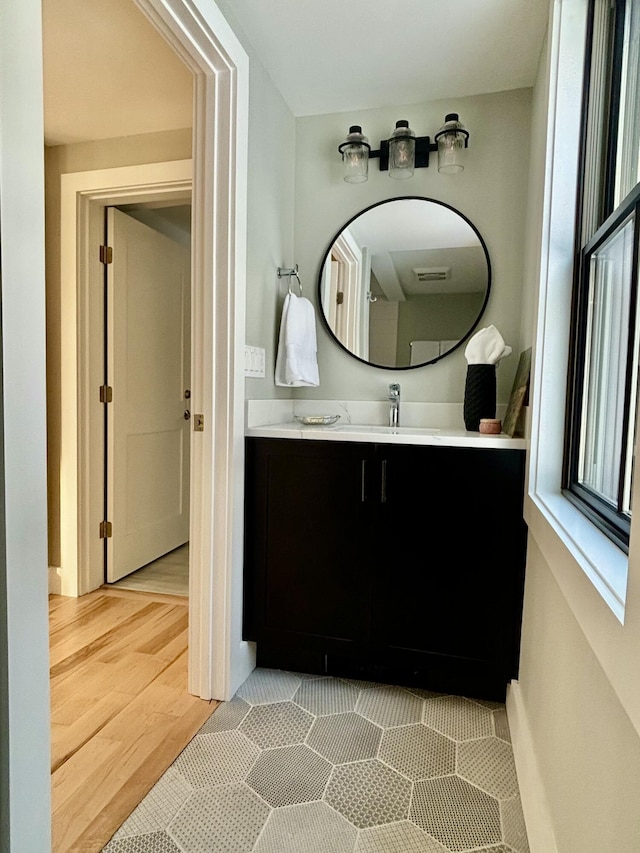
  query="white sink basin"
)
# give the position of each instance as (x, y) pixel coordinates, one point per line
(385, 430)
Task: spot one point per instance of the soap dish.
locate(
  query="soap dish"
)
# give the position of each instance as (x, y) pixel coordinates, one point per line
(317, 420)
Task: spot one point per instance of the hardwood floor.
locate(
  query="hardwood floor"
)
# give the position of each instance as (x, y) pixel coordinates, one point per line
(120, 710)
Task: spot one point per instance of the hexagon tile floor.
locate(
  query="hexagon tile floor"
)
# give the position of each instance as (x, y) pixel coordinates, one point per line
(310, 764)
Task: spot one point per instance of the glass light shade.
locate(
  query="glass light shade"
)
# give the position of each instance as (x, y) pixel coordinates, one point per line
(402, 151)
(355, 156)
(452, 140)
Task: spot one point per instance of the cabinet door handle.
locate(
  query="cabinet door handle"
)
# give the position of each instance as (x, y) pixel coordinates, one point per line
(362, 480)
(383, 482)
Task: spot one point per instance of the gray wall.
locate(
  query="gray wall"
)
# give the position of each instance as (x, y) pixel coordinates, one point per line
(491, 192)
(576, 706)
(445, 317)
(270, 212)
(586, 747)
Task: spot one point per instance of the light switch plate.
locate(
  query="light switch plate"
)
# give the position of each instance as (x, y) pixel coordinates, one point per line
(254, 358)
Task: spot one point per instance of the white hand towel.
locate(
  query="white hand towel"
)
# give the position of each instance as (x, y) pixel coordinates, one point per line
(486, 347)
(296, 361)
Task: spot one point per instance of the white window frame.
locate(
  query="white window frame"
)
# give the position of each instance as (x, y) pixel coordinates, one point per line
(577, 540)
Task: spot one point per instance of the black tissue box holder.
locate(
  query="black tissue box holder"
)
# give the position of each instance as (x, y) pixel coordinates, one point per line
(479, 395)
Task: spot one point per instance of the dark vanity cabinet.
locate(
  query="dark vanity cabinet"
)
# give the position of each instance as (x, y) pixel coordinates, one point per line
(395, 563)
(307, 550)
(448, 576)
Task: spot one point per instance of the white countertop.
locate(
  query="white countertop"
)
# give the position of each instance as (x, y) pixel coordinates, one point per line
(444, 437)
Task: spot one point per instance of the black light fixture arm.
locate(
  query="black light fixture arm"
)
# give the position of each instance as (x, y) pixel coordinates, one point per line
(424, 146)
(346, 144)
(408, 151)
(459, 130)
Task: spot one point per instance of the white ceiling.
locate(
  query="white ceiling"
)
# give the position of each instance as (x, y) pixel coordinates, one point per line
(107, 73)
(330, 56)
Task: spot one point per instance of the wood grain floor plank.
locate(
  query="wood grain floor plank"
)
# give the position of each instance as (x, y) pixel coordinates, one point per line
(73, 775)
(140, 781)
(155, 635)
(173, 626)
(177, 671)
(76, 693)
(56, 601)
(87, 697)
(165, 698)
(158, 628)
(83, 615)
(91, 638)
(134, 672)
(99, 667)
(121, 711)
(63, 608)
(102, 780)
(69, 738)
(174, 648)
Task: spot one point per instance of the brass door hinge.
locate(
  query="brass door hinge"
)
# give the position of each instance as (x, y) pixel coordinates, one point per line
(106, 394)
(106, 255)
(106, 530)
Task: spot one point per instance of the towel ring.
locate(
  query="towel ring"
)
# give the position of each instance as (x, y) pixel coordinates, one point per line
(289, 272)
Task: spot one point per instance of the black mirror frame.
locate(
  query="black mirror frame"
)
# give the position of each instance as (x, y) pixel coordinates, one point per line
(346, 225)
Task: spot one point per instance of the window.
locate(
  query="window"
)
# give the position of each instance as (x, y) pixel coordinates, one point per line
(603, 375)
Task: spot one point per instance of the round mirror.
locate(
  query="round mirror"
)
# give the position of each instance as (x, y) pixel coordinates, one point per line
(404, 282)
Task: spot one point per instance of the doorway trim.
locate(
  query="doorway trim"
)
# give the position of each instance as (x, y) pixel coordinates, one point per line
(84, 197)
(218, 658)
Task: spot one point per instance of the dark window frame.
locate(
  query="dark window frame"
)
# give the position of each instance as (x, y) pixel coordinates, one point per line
(612, 521)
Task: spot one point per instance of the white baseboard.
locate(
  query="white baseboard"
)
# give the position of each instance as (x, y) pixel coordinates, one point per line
(537, 816)
(243, 665)
(55, 581)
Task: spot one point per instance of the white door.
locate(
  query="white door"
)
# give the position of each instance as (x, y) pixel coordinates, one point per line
(148, 362)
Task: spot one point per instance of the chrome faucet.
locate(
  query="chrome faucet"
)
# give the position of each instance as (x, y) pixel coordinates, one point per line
(394, 399)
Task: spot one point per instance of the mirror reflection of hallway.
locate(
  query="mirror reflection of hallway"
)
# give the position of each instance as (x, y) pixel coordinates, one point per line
(404, 282)
(148, 420)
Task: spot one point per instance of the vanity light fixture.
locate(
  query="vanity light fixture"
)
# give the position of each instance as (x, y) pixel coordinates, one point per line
(404, 151)
(355, 155)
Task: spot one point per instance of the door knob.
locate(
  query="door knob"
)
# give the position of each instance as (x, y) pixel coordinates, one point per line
(187, 414)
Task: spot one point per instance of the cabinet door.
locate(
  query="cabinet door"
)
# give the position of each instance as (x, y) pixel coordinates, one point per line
(307, 547)
(450, 562)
